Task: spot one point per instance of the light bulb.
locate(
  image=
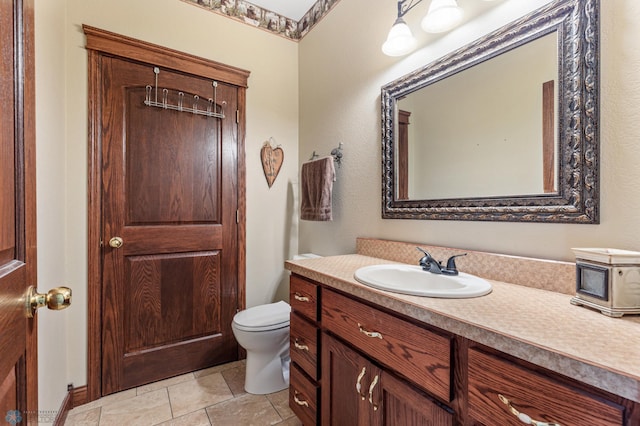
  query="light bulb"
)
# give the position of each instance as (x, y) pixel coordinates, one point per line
(442, 16)
(400, 40)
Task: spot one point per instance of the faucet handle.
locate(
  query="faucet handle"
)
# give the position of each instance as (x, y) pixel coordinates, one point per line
(427, 256)
(426, 253)
(451, 262)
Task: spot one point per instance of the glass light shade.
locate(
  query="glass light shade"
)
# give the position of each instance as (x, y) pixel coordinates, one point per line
(400, 40)
(442, 16)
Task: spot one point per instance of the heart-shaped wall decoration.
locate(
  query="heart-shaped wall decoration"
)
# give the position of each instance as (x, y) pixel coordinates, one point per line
(272, 159)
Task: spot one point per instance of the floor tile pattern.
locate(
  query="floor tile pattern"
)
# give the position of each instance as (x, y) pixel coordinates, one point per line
(211, 397)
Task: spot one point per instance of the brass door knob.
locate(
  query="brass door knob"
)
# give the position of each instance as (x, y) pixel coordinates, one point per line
(116, 242)
(56, 299)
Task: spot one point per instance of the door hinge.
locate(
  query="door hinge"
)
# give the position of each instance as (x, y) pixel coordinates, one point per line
(237, 216)
(237, 116)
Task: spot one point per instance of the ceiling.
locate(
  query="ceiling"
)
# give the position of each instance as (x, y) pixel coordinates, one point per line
(294, 9)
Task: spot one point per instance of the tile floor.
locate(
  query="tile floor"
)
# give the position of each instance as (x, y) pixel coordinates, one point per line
(210, 397)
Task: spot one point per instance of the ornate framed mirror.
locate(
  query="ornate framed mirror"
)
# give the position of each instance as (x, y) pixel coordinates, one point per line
(503, 129)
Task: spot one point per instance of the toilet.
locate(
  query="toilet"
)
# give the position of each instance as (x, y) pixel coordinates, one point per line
(263, 331)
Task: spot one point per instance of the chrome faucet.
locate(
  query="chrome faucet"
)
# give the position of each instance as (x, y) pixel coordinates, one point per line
(429, 264)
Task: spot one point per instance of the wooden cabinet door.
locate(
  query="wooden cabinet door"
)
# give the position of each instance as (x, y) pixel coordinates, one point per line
(399, 404)
(343, 402)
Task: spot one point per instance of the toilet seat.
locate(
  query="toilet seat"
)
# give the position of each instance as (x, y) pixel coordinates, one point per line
(271, 316)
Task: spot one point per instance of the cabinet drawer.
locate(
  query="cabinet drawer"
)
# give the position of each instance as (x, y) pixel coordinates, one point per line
(304, 345)
(418, 354)
(303, 397)
(303, 297)
(525, 391)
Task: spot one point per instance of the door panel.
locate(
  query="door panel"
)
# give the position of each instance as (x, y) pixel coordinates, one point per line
(18, 346)
(188, 194)
(8, 392)
(169, 192)
(162, 311)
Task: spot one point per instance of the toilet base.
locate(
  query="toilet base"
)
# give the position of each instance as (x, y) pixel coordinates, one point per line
(266, 376)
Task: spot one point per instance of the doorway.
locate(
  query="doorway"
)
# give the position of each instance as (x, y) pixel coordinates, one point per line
(166, 212)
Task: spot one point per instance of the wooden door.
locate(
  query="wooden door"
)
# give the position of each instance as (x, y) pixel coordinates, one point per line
(18, 344)
(403, 155)
(169, 189)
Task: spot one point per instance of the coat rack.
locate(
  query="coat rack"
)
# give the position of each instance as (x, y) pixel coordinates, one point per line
(209, 111)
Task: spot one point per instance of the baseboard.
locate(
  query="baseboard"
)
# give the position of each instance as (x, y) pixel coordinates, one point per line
(67, 405)
(74, 398)
(80, 396)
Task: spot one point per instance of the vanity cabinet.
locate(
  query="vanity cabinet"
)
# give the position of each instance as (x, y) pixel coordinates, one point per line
(501, 392)
(354, 363)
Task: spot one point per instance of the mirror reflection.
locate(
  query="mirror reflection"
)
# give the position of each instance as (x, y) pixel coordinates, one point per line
(487, 131)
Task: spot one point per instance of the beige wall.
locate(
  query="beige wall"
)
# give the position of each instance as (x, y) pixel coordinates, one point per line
(272, 111)
(341, 72)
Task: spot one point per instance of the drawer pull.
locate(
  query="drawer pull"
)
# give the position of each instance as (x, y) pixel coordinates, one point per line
(358, 384)
(299, 346)
(300, 298)
(373, 385)
(299, 401)
(523, 417)
(373, 334)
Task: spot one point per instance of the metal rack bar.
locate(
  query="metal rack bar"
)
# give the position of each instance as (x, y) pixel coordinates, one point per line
(209, 111)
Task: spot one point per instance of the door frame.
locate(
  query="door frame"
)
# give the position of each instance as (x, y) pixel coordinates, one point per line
(98, 43)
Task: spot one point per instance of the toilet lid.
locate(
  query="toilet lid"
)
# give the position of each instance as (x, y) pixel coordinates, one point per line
(264, 317)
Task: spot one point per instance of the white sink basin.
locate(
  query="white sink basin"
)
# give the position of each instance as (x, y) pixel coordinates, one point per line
(409, 279)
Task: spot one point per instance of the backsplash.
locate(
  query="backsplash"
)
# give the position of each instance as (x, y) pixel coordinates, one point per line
(544, 274)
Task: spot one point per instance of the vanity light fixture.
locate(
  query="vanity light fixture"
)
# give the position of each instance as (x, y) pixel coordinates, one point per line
(443, 15)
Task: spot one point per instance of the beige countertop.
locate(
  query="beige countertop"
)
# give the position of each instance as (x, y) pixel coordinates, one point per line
(539, 326)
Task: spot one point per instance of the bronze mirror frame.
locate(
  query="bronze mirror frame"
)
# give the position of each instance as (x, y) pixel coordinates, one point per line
(577, 198)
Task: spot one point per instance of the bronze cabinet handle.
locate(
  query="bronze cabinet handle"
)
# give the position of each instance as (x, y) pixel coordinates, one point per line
(524, 418)
(359, 384)
(373, 385)
(373, 334)
(300, 297)
(299, 401)
(299, 346)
